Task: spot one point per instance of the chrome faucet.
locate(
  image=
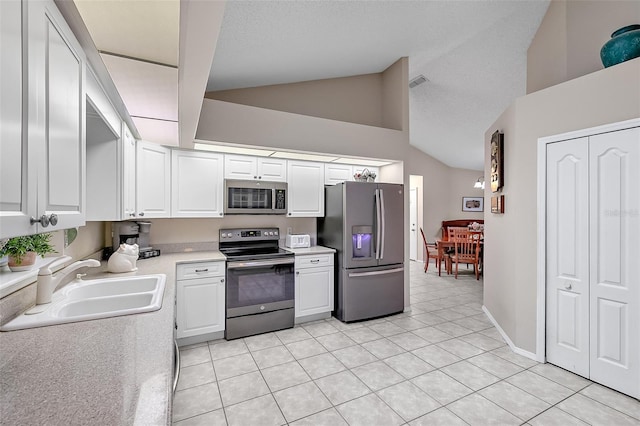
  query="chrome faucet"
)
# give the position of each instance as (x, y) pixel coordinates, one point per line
(47, 283)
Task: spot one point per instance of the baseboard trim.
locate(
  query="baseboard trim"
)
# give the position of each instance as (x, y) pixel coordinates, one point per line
(192, 340)
(313, 317)
(506, 338)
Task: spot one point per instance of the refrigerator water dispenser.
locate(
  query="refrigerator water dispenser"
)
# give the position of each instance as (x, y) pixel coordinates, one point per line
(362, 238)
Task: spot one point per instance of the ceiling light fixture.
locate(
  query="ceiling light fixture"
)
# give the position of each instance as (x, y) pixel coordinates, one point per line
(228, 149)
(302, 156)
(361, 162)
(417, 81)
(479, 183)
(221, 147)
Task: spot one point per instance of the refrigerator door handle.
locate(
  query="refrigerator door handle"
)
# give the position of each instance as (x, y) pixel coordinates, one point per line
(368, 274)
(383, 229)
(378, 223)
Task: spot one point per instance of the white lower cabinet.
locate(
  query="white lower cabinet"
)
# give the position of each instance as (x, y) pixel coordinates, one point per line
(200, 293)
(314, 286)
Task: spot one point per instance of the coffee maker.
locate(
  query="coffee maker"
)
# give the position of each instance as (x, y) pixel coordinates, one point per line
(129, 232)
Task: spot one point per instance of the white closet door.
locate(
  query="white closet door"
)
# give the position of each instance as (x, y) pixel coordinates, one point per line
(568, 255)
(615, 259)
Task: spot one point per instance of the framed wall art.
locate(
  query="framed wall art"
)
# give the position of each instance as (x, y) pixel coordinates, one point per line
(497, 161)
(472, 204)
(497, 204)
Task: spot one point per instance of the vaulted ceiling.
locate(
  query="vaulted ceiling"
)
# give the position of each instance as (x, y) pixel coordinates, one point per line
(473, 53)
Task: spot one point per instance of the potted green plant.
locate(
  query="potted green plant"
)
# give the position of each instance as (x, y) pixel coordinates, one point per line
(22, 251)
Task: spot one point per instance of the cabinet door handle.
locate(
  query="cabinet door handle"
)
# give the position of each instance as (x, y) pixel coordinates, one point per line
(221, 280)
(43, 221)
(53, 219)
(141, 214)
(202, 270)
(315, 260)
(297, 272)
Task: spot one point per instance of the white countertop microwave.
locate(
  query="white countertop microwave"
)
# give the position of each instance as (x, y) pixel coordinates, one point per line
(254, 197)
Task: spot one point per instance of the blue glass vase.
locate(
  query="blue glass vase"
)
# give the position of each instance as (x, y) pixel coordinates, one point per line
(624, 45)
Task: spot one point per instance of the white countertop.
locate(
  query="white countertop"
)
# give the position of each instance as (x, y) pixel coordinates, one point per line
(109, 371)
(310, 250)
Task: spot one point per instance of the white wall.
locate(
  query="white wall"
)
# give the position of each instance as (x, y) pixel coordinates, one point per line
(510, 273)
(568, 42)
(356, 99)
(172, 231)
(460, 184)
(442, 191)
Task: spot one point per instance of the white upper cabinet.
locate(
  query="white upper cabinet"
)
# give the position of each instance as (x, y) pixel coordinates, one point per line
(104, 156)
(128, 173)
(45, 166)
(57, 59)
(196, 184)
(336, 173)
(305, 189)
(153, 180)
(255, 168)
(15, 205)
(111, 159)
(272, 169)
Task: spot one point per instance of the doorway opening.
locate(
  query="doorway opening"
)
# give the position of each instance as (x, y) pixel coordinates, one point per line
(416, 217)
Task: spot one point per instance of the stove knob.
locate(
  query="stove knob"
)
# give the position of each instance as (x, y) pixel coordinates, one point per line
(275, 232)
(270, 233)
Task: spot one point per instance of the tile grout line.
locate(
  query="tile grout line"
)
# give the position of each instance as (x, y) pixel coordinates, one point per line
(224, 412)
(444, 304)
(265, 380)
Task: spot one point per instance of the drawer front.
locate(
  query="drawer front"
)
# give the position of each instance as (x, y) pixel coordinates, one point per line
(312, 261)
(189, 271)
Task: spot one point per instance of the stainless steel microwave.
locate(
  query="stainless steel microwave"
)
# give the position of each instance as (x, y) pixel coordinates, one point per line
(254, 197)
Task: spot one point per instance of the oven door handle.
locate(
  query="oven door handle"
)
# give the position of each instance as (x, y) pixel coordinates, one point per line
(238, 265)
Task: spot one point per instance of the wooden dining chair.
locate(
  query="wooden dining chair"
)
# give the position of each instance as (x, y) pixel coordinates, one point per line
(466, 249)
(431, 251)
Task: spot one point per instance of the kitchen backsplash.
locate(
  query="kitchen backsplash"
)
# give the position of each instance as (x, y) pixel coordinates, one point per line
(179, 231)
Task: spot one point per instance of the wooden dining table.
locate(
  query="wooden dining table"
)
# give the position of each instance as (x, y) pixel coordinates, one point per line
(444, 244)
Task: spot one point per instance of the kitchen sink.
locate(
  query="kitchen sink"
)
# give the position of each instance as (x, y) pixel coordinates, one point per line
(110, 287)
(99, 305)
(84, 300)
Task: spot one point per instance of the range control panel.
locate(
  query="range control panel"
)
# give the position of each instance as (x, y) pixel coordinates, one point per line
(253, 234)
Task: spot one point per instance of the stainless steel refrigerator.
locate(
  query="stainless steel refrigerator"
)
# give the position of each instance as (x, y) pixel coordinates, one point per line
(364, 222)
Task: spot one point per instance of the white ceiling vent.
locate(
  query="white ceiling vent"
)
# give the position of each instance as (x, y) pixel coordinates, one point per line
(417, 81)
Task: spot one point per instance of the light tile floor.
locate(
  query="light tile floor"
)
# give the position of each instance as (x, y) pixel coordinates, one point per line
(443, 363)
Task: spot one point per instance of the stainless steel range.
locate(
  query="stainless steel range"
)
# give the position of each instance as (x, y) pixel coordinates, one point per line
(260, 282)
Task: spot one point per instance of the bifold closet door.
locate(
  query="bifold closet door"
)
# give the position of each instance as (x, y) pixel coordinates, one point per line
(568, 255)
(614, 173)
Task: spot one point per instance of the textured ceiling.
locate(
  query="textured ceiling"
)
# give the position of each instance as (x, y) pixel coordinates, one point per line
(472, 52)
